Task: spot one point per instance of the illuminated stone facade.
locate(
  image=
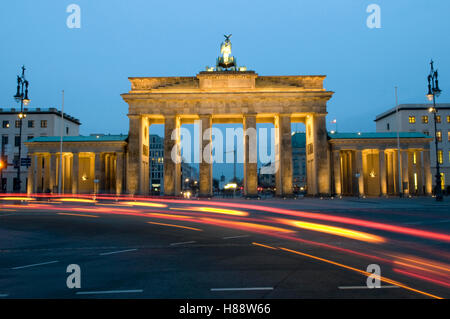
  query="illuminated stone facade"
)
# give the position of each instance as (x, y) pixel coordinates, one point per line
(229, 97)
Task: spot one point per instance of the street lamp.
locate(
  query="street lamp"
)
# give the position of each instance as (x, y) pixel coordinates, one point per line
(22, 97)
(433, 92)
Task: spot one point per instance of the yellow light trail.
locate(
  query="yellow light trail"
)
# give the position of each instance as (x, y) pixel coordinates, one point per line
(144, 204)
(265, 246)
(246, 225)
(17, 198)
(178, 226)
(76, 200)
(333, 230)
(215, 210)
(365, 273)
(80, 215)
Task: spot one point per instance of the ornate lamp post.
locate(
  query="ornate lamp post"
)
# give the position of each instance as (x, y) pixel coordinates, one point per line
(22, 97)
(433, 92)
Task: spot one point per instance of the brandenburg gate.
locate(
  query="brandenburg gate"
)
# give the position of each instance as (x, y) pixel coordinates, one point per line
(221, 95)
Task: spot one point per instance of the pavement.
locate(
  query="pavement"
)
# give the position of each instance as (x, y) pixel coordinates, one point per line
(234, 248)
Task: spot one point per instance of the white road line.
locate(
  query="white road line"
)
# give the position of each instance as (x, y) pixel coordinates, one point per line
(117, 252)
(27, 266)
(185, 242)
(242, 289)
(4, 295)
(365, 287)
(108, 292)
(232, 237)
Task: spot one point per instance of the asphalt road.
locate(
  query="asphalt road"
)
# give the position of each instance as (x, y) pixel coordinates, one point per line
(176, 249)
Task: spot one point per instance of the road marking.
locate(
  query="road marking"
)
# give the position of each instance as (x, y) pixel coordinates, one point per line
(233, 237)
(242, 289)
(117, 252)
(27, 266)
(182, 243)
(80, 215)
(4, 295)
(365, 273)
(365, 287)
(101, 292)
(178, 226)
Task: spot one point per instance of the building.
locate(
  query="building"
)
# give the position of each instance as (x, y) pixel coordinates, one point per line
(370, 164)
(38, 122)
(299, 161)
(363, 164)
(416, 118)
(90, 164)
(156, 158)
(298, 165)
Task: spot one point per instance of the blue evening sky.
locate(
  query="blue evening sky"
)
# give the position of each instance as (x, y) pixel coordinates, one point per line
(118, 39)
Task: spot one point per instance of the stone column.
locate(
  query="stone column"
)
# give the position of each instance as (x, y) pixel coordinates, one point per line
(46, 173)
(419, 172)
(53, 176)
(172, 156)
(75, 172)
(119, 173)
(205, 166)
(31, 186)
(383, 181)
(107, 183)
(359, 169)
(405, 172)
(98, 173)
(250, 156)
(317, 155)
(39, 174)
(138, 151)
(427, 172)
(337, 172)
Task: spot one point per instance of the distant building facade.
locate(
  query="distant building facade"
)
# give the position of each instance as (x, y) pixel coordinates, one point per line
(38, 122)
(299, 161)
(416, 118)
(156, 158)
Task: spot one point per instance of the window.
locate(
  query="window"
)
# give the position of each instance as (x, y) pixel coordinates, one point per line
(412, 119)
(387, 126)
(44, 123)
(448, 135)
(67, 130)
(17, 140)
(448, 118)
(17, 123)
(5, 140)
(440, 157)
(29, 137)
(442, 180)
(425, 119)
(439, 136)
(438, 119)
(30, 123)
(5, 124)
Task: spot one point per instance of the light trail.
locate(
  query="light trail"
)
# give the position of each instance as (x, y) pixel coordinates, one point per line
(365, 273)
(214, 210)
(338, 231)
(177, 226)
(79, 215)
